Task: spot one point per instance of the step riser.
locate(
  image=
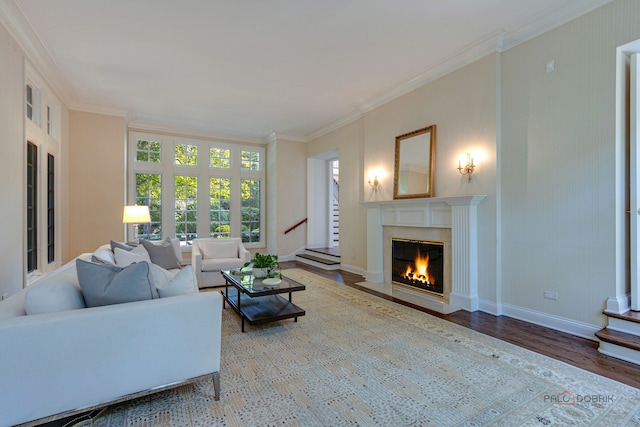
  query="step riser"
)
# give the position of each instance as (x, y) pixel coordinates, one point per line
(619, 352)
(621, 325)
(318, 264)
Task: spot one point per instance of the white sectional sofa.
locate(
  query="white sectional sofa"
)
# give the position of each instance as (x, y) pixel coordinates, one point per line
(62, 362)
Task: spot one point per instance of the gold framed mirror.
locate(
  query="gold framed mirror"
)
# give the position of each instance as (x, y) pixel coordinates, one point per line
(413, 172)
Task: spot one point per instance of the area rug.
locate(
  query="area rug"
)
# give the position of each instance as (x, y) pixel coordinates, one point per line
(358, 360)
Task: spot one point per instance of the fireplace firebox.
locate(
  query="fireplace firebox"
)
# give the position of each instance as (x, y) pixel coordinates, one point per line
(418, 264)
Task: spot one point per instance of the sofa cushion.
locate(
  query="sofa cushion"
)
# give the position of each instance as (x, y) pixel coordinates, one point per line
(53, 297)
(103, 255)
(181, 283)
(137, 254)
(162, 253)
(104, 284)
(218, 248)
(221, 264)
(122, 246)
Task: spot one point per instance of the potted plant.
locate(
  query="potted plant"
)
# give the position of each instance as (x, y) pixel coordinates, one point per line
(265, 266)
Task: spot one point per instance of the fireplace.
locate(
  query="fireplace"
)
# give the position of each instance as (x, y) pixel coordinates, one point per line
(418, 264)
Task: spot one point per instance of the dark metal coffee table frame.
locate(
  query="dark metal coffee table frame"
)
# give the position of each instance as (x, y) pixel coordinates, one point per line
(257, 303)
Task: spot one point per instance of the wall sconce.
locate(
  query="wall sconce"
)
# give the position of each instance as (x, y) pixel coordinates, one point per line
(468, 168)
(375, 183)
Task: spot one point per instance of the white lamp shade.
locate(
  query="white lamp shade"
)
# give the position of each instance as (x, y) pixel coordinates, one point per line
(136, 215)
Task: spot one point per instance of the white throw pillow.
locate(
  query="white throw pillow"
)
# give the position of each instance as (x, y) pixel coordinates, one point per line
(182, 283)
(137, 254)
(219, 249)
(53, 297)
(104, 255)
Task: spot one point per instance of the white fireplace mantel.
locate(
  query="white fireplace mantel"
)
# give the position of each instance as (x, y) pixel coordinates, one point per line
(459, 213)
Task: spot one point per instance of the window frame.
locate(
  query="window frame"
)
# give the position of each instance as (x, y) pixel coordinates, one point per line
(204, 170)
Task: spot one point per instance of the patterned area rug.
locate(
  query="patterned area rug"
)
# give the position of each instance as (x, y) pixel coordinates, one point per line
(356, 359)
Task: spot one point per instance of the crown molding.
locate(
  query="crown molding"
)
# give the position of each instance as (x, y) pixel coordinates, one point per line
(336, 124)
(100, 109)
(189, 130)
(12, 18)
(548, 20)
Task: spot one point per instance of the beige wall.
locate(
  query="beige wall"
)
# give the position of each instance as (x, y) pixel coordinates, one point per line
(559, 202)
(286, 200)
(96, 180)
(347, 141)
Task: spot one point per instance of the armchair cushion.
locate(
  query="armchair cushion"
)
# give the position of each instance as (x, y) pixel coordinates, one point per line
(221, 264)
(219, 249)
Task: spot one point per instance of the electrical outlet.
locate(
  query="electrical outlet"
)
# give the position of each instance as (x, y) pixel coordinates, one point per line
(5, 296)
(550, 295)
(551, 66)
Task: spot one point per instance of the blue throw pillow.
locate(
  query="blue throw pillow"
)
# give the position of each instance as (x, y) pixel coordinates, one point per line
(105, 284)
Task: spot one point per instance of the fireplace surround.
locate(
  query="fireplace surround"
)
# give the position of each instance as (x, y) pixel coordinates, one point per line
(452, 220)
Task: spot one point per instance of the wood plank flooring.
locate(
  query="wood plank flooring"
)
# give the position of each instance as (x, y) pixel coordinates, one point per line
(567, 348)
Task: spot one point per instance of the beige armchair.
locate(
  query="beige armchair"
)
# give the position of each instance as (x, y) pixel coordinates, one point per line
(209, 256)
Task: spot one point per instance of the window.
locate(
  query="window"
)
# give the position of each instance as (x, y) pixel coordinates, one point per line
(51, 201)
(250, 160)
(220, 207)
(29, 100)
(203, 188)
(250, 207)
(186, 207)
(186, 154)
(32, 207)
(219, 158)
(148, 151)
(149, 193)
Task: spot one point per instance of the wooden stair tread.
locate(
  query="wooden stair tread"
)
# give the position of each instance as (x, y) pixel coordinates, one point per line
(630, 316)
(619, 338)
(334, 252)
(318, 259)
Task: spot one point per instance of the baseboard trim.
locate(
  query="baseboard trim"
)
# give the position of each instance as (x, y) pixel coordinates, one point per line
(557, 323)
(352, 269)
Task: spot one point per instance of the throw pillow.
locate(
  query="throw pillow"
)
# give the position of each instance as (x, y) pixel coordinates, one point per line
(182, 283)
(53, 297)
(103, 255)
(219, 248)
(104, 284)
(162, 253)
(122, 246)
(137, 254)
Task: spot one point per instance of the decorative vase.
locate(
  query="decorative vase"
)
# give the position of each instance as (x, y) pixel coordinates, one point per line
(260, 273)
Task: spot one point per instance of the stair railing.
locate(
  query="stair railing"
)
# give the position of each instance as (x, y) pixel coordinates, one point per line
(298, 224)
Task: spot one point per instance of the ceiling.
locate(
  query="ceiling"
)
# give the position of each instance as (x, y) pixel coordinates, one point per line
(252, 67)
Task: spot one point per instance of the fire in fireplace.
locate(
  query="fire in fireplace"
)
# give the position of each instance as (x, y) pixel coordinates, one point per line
(418, 263)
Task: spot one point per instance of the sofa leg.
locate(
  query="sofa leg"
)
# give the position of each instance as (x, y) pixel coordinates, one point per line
(216, 385)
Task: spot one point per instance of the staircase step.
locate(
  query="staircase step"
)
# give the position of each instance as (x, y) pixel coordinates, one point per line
(619, 338)
(629, 316)
(319, 262)
(318, 259)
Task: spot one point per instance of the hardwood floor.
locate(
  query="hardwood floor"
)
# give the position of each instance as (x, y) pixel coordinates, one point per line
(567, 348)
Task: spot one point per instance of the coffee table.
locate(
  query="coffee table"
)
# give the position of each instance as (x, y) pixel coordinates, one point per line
(257, 303)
